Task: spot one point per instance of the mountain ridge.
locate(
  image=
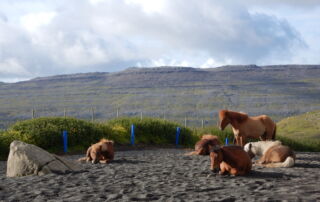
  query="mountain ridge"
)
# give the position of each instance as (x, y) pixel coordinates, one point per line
(171, 92)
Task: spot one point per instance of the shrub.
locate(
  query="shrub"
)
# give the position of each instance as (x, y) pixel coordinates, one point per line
(47, 132)
(148, 131)
(310, 145)
(227, 133)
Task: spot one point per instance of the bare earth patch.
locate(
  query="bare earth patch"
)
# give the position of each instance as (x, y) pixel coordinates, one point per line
(166, 174)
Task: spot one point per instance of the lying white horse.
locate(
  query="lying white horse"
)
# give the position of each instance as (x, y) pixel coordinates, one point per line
(273, 154)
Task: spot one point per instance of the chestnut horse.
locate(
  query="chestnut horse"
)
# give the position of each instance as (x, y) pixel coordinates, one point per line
(231, 159)
(202, 147)
(244, 127)
(273, 154)
(102, 152)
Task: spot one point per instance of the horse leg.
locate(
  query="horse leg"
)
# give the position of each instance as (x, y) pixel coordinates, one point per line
(243, 141)
(262, 160)
(264, 136)
(234, 172)
(237, 138)
(223, 168)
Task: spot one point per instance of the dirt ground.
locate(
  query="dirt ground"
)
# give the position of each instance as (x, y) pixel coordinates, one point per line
(166, 175)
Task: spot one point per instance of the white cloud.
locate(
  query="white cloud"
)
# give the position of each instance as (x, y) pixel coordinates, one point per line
(57, 37)
(33, 21)
(10, 66)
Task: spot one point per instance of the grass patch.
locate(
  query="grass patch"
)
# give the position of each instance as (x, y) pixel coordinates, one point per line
(47, 133)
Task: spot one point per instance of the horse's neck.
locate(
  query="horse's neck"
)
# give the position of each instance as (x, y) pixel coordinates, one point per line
(237, 118)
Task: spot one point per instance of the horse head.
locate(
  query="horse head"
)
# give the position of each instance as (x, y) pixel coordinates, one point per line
(216, 158)
(248, 149)
(224, 119)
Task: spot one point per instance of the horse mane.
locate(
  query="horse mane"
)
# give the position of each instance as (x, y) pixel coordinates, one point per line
(103, 140)
(238, 116)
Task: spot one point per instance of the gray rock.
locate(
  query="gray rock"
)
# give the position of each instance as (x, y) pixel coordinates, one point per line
(27, 159)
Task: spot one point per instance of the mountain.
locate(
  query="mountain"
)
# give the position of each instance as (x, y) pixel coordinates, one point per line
(170, 92)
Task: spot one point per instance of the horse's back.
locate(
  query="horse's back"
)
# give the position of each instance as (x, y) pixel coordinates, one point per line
(278, 153)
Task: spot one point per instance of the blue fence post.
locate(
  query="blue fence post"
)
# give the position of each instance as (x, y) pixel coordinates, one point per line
(132, 135)
(227, 141)
(65, 141)
(178, 136)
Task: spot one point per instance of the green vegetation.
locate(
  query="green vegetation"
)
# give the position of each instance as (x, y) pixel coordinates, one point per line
(301, 132)
(47, 133)
(304, 126)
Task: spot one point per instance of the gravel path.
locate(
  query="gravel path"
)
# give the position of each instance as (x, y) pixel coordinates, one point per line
(166, 175)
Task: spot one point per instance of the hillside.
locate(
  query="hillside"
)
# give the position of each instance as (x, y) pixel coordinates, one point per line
(304, 126)
(170, 92)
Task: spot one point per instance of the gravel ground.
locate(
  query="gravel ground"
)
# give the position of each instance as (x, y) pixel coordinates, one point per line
(166, 175)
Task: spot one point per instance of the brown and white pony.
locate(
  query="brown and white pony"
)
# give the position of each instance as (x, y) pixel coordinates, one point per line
(273, 154)
(203, 146)
(245, 127)
(230, 159)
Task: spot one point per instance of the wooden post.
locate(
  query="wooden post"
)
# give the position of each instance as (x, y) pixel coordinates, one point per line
(33, 113)
(64, 113)
(185, 121)
(92, 114)
(118, 112)
(202, 123)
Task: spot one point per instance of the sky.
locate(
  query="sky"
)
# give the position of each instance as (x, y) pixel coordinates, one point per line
(50, 37)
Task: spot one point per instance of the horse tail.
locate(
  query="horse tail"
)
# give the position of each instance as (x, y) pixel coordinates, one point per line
(289, 162)
(274, 133)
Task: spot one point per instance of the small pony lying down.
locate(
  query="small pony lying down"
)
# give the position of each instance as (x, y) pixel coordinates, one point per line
(202, 147)
(102, 152)
(273, 154)
(230, 159)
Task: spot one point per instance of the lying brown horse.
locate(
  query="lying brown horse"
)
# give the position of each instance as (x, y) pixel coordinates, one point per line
(273, 154)
(245, 127)
(102, 152)
(202, 147)
(230, 159)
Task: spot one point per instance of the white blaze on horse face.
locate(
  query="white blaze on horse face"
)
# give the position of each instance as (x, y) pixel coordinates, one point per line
(246, 147)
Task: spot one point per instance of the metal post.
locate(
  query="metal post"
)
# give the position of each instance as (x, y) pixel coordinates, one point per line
(185, 121)
(65, 141)
(92, 114)
(64, 113)
(202, 123)
(227, 141)
(132, 135)
(178, 136)
(141, 116)
(118, 112)
(33, 113)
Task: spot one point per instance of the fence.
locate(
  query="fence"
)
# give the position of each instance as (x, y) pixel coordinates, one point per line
(99, 115)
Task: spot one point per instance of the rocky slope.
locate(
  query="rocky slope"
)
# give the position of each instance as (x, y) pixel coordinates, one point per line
(170, 92)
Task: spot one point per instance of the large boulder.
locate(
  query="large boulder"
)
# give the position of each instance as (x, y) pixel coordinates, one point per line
(27, 159)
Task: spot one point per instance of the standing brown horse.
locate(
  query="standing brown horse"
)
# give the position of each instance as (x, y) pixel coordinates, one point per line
(245, 127)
